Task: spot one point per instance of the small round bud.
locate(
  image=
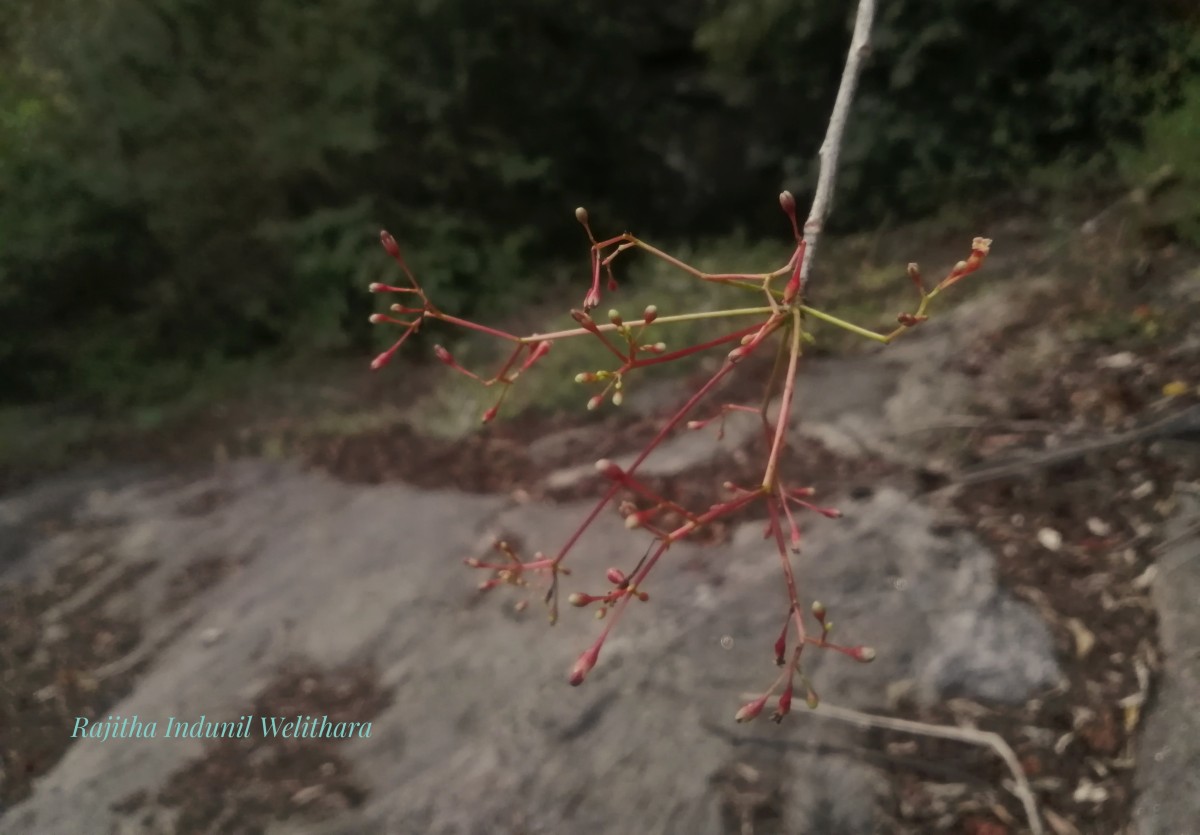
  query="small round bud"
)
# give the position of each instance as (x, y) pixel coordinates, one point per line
(614, 316)
(601, 612)
(608, 469)
(863, 654)
(520, 606)
(376, 318)
(389, 244)
(784, 706)
(443, 355)
(615, 576)
(818, 610)
(649, 314)
(582, 377)
(787, 202)
(811, 699)
(583, 666)
(376, 287)
(579, 599)
(750, 710)
(581, 215)
(594, 403)
(618, 399)
(490, 414)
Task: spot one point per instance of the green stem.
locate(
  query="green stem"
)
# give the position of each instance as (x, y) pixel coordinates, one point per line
(664, 320)
(842, 323)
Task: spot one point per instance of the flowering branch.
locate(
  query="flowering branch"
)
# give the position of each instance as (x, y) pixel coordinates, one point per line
(779, 317)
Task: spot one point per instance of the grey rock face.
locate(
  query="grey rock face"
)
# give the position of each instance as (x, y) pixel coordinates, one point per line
(1168, 762)
(484, 735)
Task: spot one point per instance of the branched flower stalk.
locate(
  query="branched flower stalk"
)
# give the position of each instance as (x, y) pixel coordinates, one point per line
(774, 319)
(633, 345)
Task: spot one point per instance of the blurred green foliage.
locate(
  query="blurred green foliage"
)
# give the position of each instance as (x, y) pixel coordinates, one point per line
(1165, 166)
(188, 182)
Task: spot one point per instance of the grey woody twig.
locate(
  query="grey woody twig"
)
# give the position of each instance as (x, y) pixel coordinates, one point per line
(972, 736)
(831, 146)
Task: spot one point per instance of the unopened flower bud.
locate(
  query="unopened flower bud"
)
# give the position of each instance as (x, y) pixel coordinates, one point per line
(618, 398)
(818, 610)
(609, 469)
(579, 599)
(649, 314)
(614, 316)
(377, 318)
(384, 358)
(615, 576)
(584, 377)
(811, 699)
(594, 403)
(601, 612)
(784, 707)
(581, 215)
(750, 710)
(443, 355)
(584, 665)
(863, 654)
(914, 275)
(389, 244)
(787, 202)
(490, 414)
(633, 521)
(520, 606)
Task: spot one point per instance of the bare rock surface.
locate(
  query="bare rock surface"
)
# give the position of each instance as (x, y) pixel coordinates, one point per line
(1168, 763)
(482, 733)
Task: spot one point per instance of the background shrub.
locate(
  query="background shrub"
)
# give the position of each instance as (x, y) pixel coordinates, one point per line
(183, 183)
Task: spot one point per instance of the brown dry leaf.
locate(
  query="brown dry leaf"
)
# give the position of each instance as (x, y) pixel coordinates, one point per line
(1085, 639)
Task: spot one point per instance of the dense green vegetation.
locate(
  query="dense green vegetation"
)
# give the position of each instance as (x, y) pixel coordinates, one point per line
(184, 183)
